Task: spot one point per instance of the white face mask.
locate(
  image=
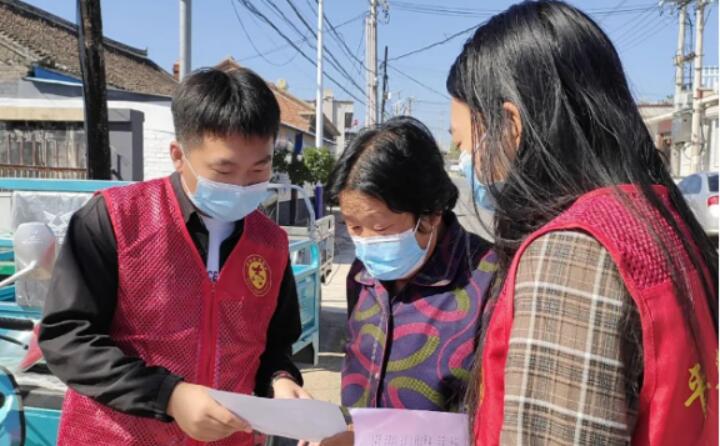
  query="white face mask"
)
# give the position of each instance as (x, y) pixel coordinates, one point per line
(223, 201)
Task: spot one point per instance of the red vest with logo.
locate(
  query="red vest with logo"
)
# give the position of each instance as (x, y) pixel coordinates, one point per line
(678, 401)
(170, 314)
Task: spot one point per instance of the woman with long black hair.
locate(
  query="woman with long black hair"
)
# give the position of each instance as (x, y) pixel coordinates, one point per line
(605, 326)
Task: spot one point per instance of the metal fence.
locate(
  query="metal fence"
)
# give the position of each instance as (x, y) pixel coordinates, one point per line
(19, 171)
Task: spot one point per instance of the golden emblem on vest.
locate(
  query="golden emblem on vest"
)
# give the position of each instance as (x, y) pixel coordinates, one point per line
(257, 274)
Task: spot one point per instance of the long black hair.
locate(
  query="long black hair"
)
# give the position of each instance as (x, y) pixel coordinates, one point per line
(581, 130)
(399, 163)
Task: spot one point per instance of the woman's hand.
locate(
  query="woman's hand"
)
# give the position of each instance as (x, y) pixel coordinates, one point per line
(286, 388)
(341, 439)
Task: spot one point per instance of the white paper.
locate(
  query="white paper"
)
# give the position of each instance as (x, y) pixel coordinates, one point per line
(298, 419)
(400, 427)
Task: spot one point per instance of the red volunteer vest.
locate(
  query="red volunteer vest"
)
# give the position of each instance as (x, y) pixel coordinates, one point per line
(170, 314)
(678, 402)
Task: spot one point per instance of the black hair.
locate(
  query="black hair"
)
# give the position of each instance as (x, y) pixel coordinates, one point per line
(218, 103)
(399, 163)
(581, 130)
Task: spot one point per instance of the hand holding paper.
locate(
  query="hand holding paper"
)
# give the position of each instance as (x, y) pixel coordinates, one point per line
(317, 420)
(198, 415)
(300, 419)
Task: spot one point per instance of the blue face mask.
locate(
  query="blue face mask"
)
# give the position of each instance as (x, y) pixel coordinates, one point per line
(479, 190)
(391, 257)
(226, 202)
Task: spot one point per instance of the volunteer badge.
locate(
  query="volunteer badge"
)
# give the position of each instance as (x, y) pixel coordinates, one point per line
(257, 274)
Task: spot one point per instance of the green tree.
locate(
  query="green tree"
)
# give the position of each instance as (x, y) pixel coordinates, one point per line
(320, 163)
(280, 160)
(299, 173)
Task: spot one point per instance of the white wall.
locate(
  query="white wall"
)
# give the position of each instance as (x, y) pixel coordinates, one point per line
(5, 212)
(158, 132)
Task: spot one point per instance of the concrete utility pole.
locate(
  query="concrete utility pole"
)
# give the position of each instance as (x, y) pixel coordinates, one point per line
(371, 109)
(319, 99)
(92, 67)
(680, 57)
(185, 37)
(696, 136)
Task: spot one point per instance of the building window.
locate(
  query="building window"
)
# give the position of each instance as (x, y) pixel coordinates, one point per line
(36, 149)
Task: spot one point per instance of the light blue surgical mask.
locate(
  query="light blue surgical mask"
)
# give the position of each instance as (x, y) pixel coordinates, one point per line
(479, 189)
(391, 257)
(226, 202)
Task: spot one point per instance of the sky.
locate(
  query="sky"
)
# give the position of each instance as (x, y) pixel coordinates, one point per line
(644, 33)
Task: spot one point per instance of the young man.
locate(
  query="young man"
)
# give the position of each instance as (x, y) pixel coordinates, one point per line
(169, 287)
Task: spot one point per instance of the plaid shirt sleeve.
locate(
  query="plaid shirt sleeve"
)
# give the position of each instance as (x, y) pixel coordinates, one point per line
(572, 371)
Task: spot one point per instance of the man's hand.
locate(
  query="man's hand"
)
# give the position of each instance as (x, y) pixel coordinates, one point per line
(200, 416)
(286, 388)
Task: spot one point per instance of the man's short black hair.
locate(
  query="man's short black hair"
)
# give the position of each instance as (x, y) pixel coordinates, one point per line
(218, 103)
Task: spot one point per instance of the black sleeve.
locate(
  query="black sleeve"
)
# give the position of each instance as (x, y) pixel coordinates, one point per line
(352, 288)
(285, 328)
(78, 312)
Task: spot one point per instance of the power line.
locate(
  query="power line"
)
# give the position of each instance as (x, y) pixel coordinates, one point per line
(433, 45)
(250, 7)
(258, 53)
(639, 16)
(643, 9)
(338, 37)
(360, 43)
(427, 87)
(617, 6)
(275, 49)
(330, 54)
(435, 10)
(281, 14)
(441, 10)
(660, 24)
(332, 59)
(644, 24)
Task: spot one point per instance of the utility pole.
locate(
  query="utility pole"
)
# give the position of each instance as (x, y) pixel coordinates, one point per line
(680, 57)
(680, 60)
(385, 87)
(92, 67)
(319, 99)
(371, 111)
(185, 37)
(696, 136)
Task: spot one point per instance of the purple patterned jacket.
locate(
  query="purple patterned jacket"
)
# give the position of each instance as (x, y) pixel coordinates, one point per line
(415, 350)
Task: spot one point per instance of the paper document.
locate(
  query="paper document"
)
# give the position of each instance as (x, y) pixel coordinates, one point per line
(400, 427)
(298, 419)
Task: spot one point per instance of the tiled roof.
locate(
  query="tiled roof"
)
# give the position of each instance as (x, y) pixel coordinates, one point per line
(36, 37)
(293, 111)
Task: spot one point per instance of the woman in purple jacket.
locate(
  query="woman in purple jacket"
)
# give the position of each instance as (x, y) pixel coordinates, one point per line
(416, 292)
